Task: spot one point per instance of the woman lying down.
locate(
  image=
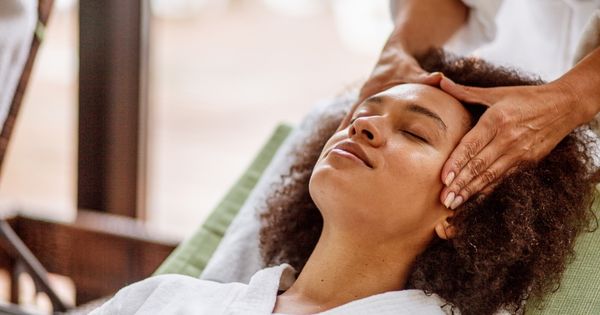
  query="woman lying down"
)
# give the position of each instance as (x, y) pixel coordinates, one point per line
(359, 221)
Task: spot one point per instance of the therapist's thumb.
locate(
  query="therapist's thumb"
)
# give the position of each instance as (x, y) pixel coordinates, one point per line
(469, 94)
(433, 78)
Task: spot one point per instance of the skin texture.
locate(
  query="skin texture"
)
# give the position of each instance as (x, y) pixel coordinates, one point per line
(419, 24)
(501, 248)
(364, 226)
(523, 124)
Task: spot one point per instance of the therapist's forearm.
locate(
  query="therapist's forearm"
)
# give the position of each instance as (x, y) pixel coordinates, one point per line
(418, 26)
(582, 85)
(421, 24)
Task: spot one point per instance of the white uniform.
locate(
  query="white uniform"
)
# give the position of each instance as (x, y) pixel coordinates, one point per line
(545, 37)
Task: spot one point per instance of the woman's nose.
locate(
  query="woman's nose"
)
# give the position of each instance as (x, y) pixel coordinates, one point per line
(365, 128)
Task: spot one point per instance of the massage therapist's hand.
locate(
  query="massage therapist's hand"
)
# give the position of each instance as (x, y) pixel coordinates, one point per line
(522, 124)
(418, 26)
(396, 66)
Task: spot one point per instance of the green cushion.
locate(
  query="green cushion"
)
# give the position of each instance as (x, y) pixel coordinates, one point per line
(191, 256)
(579, 291)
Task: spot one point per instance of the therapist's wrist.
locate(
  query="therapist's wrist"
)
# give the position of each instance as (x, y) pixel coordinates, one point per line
(398, 44)
(422, 24)
(581, 86)
(565, 100)
(576, 94)
(403, 45)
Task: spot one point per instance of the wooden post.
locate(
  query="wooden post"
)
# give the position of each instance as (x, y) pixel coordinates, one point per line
(112, 105)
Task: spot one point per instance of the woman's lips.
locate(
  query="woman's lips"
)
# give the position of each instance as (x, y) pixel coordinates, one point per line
(352, 150)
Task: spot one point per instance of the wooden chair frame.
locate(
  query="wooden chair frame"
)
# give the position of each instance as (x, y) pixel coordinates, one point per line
(99, 252)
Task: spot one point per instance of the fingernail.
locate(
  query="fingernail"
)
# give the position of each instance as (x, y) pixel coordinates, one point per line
(457, 202)
(449, 199)
(449, 179)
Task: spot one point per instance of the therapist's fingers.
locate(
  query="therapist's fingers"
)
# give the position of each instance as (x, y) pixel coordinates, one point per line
(395, 66)
(434, 78)
(469, 94)
(376, 85)
(386, 76)
(479, 172)
(484, 183)
(468, 148)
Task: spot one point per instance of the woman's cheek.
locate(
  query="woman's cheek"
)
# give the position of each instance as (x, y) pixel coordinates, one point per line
(414, 167)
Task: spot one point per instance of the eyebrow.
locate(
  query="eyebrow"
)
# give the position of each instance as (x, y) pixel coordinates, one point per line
(375, 99)
(415, 108)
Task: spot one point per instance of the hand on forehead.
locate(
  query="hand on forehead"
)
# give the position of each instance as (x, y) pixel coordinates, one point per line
(431, 102)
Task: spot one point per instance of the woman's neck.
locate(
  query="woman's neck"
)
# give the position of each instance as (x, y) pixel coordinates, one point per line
(344, 268)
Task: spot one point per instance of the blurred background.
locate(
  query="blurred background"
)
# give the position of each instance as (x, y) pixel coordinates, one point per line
(222, 74)
(218, 77)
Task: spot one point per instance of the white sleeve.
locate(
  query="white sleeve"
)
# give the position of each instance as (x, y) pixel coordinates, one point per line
(590, 38)
(479, 29)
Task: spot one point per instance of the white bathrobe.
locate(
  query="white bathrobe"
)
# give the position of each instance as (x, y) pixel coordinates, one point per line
(541, 36)
(176, 294)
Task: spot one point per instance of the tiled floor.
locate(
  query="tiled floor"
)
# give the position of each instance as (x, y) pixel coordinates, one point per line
(221, 80)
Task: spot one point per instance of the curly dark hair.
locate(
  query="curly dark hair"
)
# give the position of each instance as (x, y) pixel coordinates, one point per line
(512, 244)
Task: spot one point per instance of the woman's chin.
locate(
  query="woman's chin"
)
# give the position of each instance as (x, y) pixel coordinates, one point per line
(331, 183)
(332, 177)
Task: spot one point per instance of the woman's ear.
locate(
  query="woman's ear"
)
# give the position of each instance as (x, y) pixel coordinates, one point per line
(445, 230)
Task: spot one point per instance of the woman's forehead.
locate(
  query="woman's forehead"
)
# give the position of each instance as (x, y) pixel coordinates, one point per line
(432, 98)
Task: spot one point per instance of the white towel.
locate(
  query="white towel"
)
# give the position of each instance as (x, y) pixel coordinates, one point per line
(17, 25)
(238, 257)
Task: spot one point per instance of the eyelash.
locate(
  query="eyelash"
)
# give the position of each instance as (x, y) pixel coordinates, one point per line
(415, 136)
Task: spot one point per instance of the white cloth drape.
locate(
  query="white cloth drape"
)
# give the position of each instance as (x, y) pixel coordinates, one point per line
(545, 37)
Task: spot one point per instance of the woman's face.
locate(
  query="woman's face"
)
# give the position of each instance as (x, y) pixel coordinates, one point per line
(381, 173)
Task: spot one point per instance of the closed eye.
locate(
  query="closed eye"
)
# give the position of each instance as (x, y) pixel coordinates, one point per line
(415, 136)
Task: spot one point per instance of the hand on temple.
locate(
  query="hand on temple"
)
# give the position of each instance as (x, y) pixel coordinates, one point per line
(522, 124)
